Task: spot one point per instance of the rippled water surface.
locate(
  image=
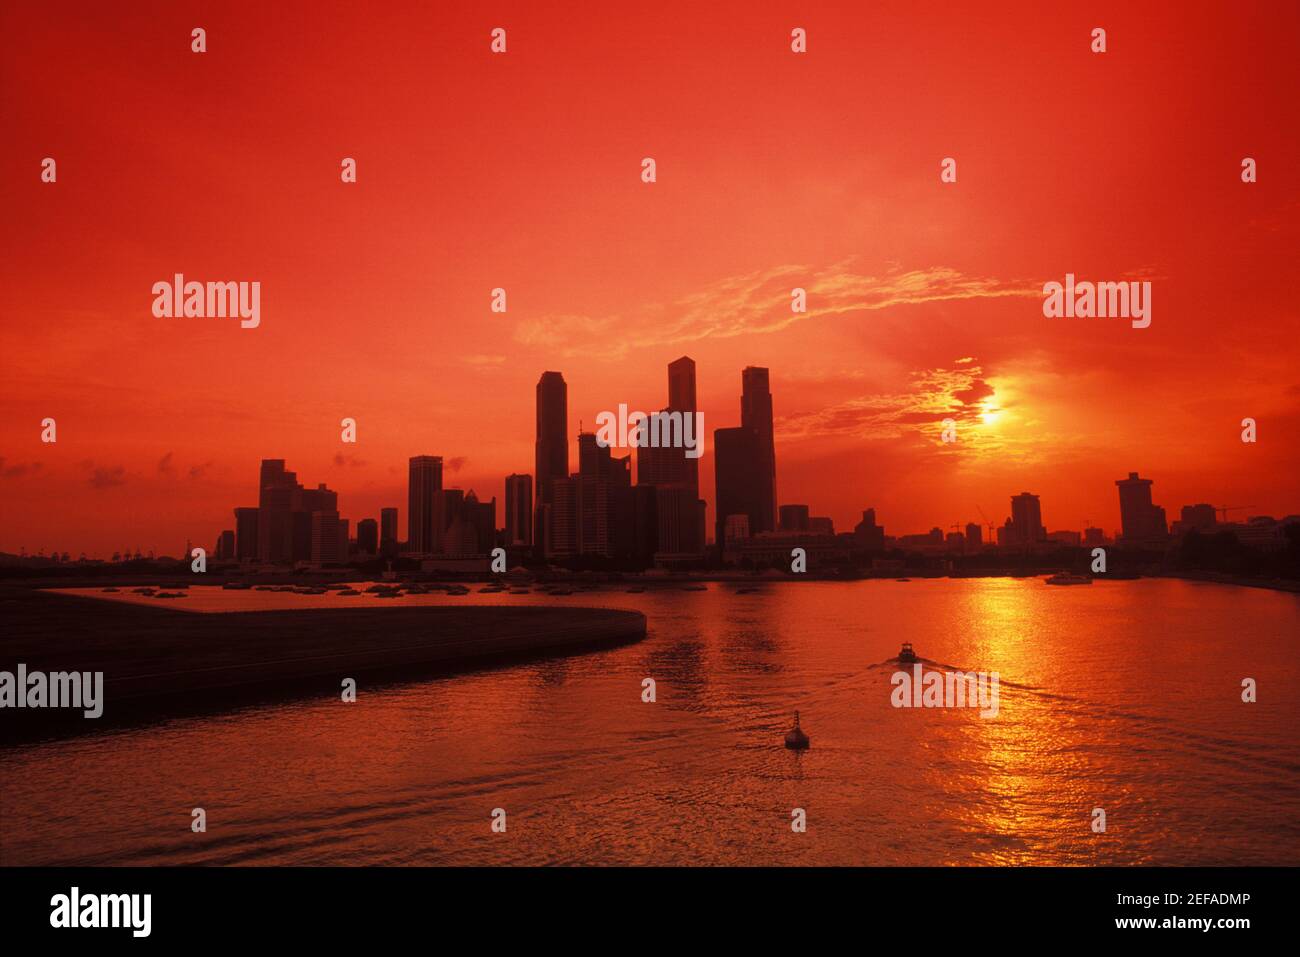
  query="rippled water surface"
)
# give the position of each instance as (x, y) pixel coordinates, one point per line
(1119, 695)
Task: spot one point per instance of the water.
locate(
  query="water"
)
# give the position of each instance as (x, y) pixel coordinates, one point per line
(1119, 695)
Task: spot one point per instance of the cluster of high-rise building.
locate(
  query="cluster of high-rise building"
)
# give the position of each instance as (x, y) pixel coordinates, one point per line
(442, 521)
(291, 523)
(1142, 523)
(599, 510)
(653, 514)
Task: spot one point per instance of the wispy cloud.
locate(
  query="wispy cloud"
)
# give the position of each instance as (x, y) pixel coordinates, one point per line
(759, 303)
(934, 395)
(481, 361)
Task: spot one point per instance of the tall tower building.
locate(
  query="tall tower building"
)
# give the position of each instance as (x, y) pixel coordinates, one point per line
(681, 384)
(246, 534)
(562, 520)
(552, 448)
(329, 538)
(1142, 521)
(306, 503)
(603, 484)
(681, 398)
(666, 466)
(368, 536)
(1027, 519)
(681, 525)
(276, 492)
(736, 487)
(423, 504)
(470, 524)
(519, 509)
(867, 534)
(756, 414)
(388, 532)
(483, 517)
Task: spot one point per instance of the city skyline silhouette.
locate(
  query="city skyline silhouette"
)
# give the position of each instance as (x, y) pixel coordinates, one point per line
(748, 450)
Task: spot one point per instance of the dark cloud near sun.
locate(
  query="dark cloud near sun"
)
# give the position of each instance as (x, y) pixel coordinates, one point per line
(106, 476)
(960, 393)
(18, 469)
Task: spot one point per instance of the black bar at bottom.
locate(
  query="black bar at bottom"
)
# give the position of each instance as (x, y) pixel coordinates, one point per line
(493, 905)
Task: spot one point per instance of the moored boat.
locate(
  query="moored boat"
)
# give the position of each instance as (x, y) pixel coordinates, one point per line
(1069, 578)
(795, 739)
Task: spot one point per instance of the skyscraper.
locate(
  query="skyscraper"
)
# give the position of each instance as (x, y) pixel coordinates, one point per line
(447, 506)
(329, 538)
(1026, 520)
(658, 465)
(482, 517)
(681, 398)
(368, 536)
(519, 509)
(562, 521)
(794, 518)
(470, 524)
(246, 534)
(681, 384)
(736, 465)
(642, 538)
(552, 449)
(388, 532)
(1202, 517)
(306, 503)
(1143, 522)
(678, 512)
(756, 414)
(276, 488)
(423, 515)
(667, 466)
(601, 479)
(736, 530)
(867, 534)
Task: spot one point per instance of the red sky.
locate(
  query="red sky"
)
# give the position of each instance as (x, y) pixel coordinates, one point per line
(522, 170)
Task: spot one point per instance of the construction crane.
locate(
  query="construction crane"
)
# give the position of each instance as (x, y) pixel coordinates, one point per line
(993, 539)
(1225, 509)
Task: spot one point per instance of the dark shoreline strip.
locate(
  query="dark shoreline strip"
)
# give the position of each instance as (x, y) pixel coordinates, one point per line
(160, 662)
